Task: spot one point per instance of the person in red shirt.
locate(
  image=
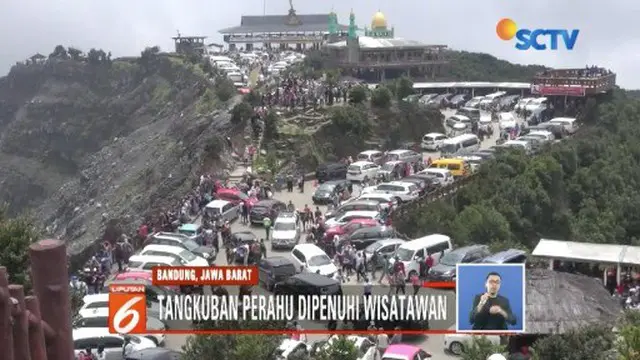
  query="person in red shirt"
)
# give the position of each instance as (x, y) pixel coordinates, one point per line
(428, 262)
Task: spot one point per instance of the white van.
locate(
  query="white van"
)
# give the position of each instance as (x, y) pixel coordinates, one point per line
(460, 145)
(186, 257)
(414, 251)
(521, 105)
(491, 99)
(374, 156)
(433, 141)
(148, 262)
(569, 124)
(227, 211)
(362, 171)
(536, 104)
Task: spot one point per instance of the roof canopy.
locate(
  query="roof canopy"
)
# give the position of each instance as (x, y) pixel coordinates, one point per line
(587, 252)
(472, 85)
(280, 23)
(558, 302)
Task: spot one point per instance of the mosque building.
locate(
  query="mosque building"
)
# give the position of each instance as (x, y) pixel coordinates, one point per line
(377, 55)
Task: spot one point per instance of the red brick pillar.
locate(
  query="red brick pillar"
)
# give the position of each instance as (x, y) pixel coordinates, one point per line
(37, 347)
(20, 324)
(51, 284)
(6, 327)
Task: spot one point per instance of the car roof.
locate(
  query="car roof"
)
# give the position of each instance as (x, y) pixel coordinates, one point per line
(217, 203)
(88, 299)
(429, 239)
(503, 255)
(170, 235)
(370, 152)
(268, 202)
(435, 170)
(466, 249)
(149, 258)
(391, 241)
(399, 151)
(434, 134)
(365, 213)
(360, 202)
(563, 119)
(394, 162)
(135, 274)
(285, 219)
(278, 260)
(360, 163)
(84, 333)
(189, 227)
(309, 249)
(316, 279)
(375, 195)
(399, 183)
(380, 228)
(163, 248)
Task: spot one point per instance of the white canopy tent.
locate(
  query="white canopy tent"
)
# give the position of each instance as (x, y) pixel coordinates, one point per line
(618, 255)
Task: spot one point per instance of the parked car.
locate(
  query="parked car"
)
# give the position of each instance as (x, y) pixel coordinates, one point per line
(286, 232)
(326, 192)
(362, 171)
(236, 197)
(274, 269)
(84, 338)
(349, 227)
(445, 270)
(364, 237)
(312, 259)
(391, 170)
(266, 208)
(331, 171)
(380, 249)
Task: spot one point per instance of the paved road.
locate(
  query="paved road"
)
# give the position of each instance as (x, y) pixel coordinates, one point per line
(432, 344)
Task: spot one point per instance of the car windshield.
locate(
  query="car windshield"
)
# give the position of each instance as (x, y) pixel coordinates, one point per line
(449, 148)
(388, 187)
(326, 187)
(319, 260)
(190, 245)
(284, 226)
(451, 259)
(187, 255)
(354, 168)
(404, 254)
(187, 231)
(373, 247)
(388, 167)
(363, 157)
(97, 305)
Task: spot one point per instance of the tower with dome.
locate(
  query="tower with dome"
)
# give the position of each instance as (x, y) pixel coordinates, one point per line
(375, 54)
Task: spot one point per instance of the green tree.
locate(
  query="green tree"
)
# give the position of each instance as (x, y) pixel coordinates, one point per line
(224, 88)
(16, 234)
(628, 341)
(75, 54)
(403, 88)
(254, 97)
(339, 348)
(479, 348)
(358, 94)
(234, 347)
(59, 52)
(271, 121)
(381, 97)
(241, 112)
(589, 343)
(478, 224)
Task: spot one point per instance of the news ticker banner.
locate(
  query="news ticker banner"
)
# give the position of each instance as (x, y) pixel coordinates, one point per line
(434, 309)
(429, 310)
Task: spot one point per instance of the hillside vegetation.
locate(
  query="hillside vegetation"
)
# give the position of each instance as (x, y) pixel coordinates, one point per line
(86, 140)
(582, 189)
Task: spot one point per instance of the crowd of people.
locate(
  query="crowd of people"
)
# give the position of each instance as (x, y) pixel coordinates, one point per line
(292, 92)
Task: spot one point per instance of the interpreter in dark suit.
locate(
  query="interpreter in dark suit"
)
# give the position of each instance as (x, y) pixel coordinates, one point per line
(491, 311)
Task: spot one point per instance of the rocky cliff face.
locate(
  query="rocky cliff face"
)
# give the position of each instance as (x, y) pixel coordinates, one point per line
(84, 143)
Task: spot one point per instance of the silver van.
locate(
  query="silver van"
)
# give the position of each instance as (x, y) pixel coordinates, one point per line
(408, 156)
(223, 209)
(356, 205)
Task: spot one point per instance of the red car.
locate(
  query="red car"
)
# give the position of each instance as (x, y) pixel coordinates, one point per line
(236, 196)
(349, 227)
(139, 275)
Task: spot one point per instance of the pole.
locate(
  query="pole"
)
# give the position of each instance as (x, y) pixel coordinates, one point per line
(264, 7)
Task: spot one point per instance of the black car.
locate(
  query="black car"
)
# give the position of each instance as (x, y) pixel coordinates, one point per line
(156, 353)
(364, 237)
(325, 193)
(458, 101)
(266, 208)
(331, 171)
(426, 184)
(445, 270)
(308, 284)
(275, 269)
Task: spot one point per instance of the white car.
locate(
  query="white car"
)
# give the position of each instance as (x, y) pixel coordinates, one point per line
(362, 171)
(351, 215)
(100, 320)
(385, 200)
(367, 349)
(291, 349)
(402, 191)
(455, 343)
(311, 258)
(185, 257)
(92, 337)
(148, 262)
(443, 176)
(285, 232)
(433, 141)
(96, 303)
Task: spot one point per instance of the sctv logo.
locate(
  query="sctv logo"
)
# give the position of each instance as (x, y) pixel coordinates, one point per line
(538, 39)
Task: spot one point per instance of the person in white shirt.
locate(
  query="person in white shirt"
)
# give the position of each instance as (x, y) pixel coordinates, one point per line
(382, 341)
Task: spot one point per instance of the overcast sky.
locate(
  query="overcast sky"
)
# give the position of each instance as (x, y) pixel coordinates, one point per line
(126, 27)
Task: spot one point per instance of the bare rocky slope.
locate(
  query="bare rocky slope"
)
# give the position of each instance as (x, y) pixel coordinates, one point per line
(89, 143)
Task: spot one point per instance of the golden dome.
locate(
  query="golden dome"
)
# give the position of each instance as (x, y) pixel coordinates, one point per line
(378, 21)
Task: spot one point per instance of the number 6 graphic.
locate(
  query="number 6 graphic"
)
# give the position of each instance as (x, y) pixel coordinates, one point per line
(123, 312)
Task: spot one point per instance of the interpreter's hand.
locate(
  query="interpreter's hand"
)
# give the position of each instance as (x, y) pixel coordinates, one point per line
(495, 309)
